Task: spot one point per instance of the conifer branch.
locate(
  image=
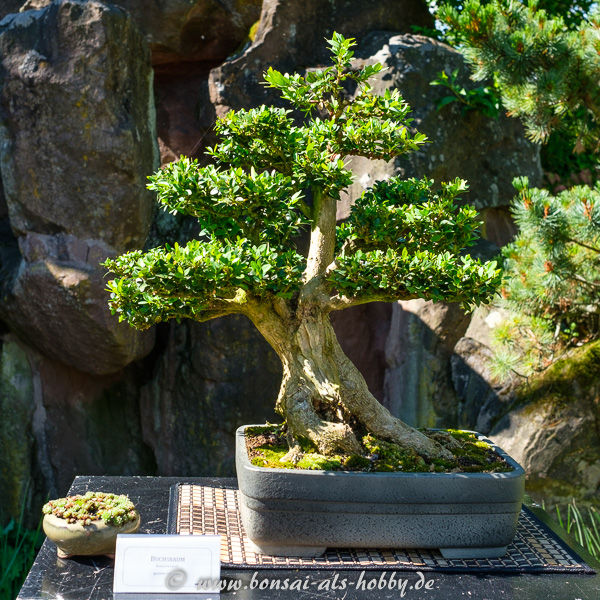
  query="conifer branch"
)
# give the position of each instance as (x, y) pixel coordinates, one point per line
(583, 244)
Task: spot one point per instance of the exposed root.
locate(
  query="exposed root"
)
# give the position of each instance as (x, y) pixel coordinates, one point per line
(446, 438)
(328, 437)
(294, 455)
(298, 396)
(321, 385)
(377, 419)
(397, 431)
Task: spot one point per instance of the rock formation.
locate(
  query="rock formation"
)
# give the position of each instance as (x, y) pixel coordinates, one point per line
(290, 37)
(211, 378)
(90, 93)
(553, 429)
(77, 140)
(184, 30)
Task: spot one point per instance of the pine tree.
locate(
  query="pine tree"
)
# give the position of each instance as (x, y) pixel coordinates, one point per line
(274, 178)
(552, 284)
(548, 76)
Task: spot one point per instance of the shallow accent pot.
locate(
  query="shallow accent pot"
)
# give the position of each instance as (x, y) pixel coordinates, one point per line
(74, 539)
(289, 512)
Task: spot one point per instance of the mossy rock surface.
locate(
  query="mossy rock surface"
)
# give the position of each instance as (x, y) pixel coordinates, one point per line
(267, 446)
(552, 429)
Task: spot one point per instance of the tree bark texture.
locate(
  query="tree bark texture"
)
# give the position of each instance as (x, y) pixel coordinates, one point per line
(323, 395)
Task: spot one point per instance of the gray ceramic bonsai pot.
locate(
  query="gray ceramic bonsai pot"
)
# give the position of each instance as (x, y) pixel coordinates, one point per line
(289, 512)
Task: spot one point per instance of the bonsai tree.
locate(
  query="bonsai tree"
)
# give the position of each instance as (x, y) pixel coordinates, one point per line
(272, 180)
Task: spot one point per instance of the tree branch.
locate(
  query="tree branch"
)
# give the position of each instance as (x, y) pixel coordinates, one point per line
(585, 281)
(217, 307)
(304, 208)
(583, 245)
(340, 302)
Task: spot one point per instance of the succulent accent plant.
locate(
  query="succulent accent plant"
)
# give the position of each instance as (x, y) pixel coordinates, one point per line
(113, 509)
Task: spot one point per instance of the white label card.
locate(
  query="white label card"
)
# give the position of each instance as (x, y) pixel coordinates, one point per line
(167, 564)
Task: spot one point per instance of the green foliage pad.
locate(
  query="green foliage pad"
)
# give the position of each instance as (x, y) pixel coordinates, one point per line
(272, 180)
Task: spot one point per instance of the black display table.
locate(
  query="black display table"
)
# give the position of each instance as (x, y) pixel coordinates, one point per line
(91, 578)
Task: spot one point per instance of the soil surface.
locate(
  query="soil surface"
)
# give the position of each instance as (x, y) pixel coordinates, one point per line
(267, 446)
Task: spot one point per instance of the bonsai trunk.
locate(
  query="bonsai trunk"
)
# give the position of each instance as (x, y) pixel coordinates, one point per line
(323, 396)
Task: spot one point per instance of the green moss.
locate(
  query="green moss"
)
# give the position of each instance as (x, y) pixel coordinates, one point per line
(253, 30)
(464, 436)
(392, 457)
(383, 467)
(356, 461)
(270, 456)
(441, 465)
(263, 429)
(555, 385)
(312, 461)
(471, 455)
(306, 444)
(471, 452)
(553, 390)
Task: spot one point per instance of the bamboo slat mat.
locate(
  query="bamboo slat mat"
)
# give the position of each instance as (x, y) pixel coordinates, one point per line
(198, 510)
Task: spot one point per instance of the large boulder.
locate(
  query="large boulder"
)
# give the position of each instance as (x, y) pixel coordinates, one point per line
(186, 38)
(90, 424)
(419, 347)
(57, 423)
(290, 36)
(362, 332)
(77, 123)
(193, 30)
(482, 399)
(77, 141)
(57, 303)
(187, 30)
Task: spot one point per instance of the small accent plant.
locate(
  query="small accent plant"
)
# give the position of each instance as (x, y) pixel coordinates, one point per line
(93, 506)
